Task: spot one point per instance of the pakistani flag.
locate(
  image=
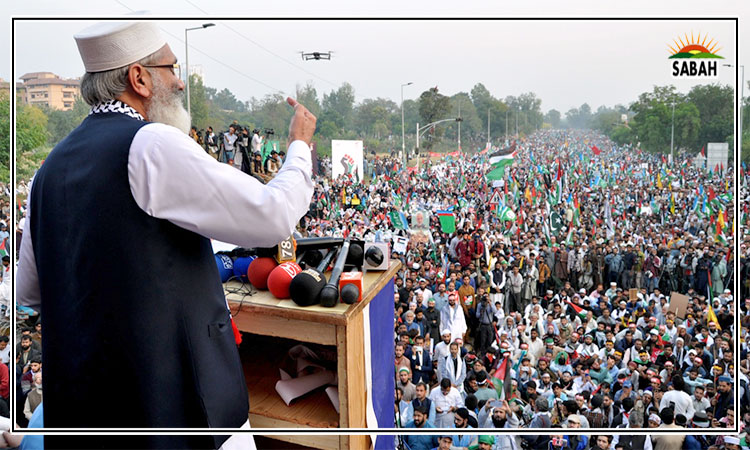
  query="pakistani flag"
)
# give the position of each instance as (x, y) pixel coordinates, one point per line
(506, 214)
(555, 223)
(399, 220)
(500, 160)
(447, 221)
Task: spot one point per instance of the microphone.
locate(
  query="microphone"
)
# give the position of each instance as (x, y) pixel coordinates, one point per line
(329, 295)
(258, 271)
(306, 285)
(281, 277)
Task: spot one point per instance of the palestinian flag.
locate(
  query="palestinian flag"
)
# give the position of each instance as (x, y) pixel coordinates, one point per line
(3, 248)
(499, 161)
(501, 378)
(447, 221)
(596, 150)
(578, 309)
(506, 214)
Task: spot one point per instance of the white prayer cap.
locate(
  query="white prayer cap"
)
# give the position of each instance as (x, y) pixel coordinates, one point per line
(111, 45)
(731, 440)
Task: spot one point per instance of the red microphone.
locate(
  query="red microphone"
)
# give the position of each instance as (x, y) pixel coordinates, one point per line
(281, 277)
(259, 270)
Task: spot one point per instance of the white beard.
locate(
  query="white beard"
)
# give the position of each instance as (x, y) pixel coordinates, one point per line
(166, 107)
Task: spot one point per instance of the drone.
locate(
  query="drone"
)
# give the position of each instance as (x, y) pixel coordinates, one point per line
(317, 56)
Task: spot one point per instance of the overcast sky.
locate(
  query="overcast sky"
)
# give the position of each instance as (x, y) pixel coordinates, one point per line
(565, 62)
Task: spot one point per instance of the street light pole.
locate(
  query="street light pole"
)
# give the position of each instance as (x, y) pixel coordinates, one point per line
(187, 65)
(403, 133)
(488, 129)
(671, 145)
(459, 125)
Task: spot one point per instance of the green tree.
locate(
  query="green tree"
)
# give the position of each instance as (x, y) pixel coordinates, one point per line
(61, 123)
(198, 102)
(308, 96)
(473, 129)
(433, 106)
(715, 105)
(338, 107)
(31, 128)
(553, 118)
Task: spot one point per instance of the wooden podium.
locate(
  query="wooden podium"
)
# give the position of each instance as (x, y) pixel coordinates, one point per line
(341, 327)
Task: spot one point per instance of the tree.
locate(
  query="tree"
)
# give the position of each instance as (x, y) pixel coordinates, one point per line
(715, 105)
(60, 123)
(473, 128)
(227, 101)
(338, 107)
(553, 118)
(198, 102)
(433, 106)
(31, 128)
(308, 96)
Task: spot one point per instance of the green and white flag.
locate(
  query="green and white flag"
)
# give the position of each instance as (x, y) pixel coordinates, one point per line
(555, 223)
(499, 161)
(505, 214)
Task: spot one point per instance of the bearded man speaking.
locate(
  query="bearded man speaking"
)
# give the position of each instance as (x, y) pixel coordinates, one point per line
(116, 252)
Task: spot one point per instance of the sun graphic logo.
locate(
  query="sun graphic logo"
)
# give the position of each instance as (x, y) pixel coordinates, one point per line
(694, 58)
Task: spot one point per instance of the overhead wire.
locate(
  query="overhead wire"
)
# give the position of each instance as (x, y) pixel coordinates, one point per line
(264, 48)
(222, 63)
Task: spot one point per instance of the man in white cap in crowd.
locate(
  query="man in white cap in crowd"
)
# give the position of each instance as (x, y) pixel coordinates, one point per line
(116, 252)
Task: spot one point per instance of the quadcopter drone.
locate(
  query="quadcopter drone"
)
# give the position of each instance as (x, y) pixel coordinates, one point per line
(317, 56)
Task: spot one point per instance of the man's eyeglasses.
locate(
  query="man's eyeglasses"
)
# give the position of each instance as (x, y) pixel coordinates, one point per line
(175, 68)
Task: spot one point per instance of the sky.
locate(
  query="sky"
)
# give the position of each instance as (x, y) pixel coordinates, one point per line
(565, 62)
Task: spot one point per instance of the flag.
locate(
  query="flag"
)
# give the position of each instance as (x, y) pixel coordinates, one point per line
(500, 376)
(671, 204)
(569, 238)
(711, 317)
(499, 161)
(579, 310)
(506, 214)
(398, 219)
(703, 151)
(447, 221)
(555, 223)
(596, 150)
(658, 181)
(3, 248)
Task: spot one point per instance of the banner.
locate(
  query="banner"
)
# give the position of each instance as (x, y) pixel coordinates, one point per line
(346, 159)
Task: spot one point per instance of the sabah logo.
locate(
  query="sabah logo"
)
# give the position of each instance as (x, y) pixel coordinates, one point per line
(694, 58)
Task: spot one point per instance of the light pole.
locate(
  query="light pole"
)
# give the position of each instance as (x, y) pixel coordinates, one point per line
(187, 66)
(671, 145)
(403, 133)
(488, 129)
(506, 124)
(742, 97)
(459, 125)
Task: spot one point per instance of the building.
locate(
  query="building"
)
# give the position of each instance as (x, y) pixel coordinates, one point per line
(48, 89)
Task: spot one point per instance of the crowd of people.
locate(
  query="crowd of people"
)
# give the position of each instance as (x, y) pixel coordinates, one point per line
(507, 325)
(605, 300)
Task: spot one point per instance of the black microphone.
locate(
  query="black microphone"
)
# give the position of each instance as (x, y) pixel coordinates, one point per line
(329, 295)
(306, 285)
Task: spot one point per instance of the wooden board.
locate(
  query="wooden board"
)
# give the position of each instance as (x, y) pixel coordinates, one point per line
(263, 302)
(678, 304)
(305, 331)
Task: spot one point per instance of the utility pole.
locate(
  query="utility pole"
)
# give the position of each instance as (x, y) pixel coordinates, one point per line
(488, 129)
(671, 145)
(459, 125)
